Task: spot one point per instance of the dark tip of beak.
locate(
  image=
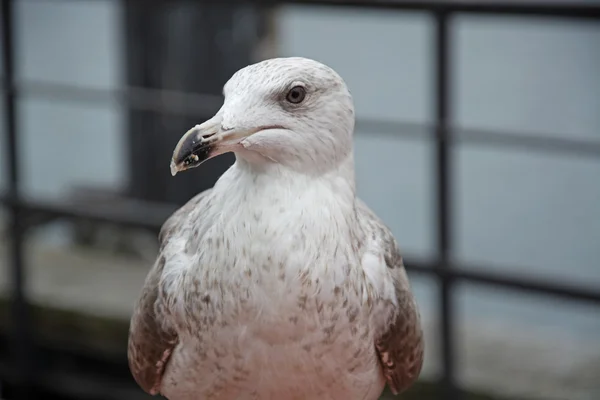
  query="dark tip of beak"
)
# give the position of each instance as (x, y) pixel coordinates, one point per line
(190, 153)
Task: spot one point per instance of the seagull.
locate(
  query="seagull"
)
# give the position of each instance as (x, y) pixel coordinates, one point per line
(278, 282)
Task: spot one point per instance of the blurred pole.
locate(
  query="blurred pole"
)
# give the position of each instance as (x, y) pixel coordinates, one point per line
(443, 171)
(20, 314)
(181, 46)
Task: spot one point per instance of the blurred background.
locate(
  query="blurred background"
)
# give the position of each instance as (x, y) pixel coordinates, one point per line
(477, 141)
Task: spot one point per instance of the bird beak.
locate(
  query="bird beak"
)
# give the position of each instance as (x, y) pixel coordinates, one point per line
(204, 142)
(209, 140)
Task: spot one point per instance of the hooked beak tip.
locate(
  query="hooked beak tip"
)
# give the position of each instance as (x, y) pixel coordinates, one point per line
(174, 168)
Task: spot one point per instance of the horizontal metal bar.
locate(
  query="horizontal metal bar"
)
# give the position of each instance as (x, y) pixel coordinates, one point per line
(147, 215)
(159, 100)
(202, 105)
(136, 214)
(527, 141)
(552, 8)
(483, 275)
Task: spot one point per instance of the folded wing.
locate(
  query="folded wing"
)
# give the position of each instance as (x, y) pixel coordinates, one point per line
(152, 336)
(400, 345)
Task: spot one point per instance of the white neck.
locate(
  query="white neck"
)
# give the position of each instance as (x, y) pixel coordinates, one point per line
(272, 215)
(253, 166)
(272, 195)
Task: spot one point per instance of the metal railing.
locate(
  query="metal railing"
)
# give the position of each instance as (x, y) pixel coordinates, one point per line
(152, 215)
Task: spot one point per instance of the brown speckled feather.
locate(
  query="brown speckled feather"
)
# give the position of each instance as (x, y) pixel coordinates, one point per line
(401, 347)
(151, 340)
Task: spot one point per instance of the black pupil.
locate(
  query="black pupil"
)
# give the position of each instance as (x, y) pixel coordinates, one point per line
(296, 95)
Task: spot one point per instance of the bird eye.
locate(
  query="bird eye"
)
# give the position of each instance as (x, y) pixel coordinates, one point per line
(296, 95)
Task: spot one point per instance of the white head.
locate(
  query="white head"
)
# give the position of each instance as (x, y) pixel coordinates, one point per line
(295, 112)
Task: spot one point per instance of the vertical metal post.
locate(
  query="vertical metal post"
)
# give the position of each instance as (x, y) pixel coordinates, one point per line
(188, 47)
(20, 318)
(443, 173)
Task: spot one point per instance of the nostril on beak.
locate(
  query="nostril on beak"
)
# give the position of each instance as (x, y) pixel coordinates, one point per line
(208, 135)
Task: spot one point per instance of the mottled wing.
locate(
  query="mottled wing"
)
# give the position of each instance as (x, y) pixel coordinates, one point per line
(401, 345)
(151, 335)
(150, 339)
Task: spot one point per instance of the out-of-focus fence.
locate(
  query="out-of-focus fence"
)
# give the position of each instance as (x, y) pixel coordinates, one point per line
(25, 372)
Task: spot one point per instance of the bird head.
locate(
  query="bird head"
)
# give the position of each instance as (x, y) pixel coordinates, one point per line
(294, 111)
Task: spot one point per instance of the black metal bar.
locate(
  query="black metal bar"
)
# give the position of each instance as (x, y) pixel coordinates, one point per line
(136, 214)
(199, 105)
(556, 8)
(141, 98)
(529, 142)
(443, 175)
(483, 275)
(142, 214)
(542, 8)
(20, 316)
(442, 111)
